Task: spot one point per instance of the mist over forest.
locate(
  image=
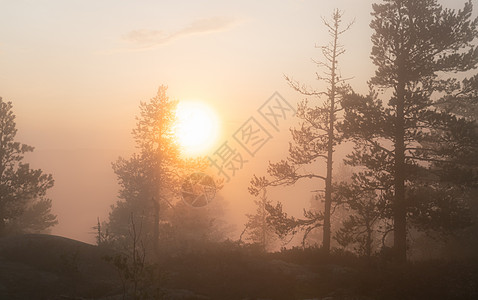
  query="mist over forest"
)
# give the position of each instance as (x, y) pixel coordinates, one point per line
(290, 150)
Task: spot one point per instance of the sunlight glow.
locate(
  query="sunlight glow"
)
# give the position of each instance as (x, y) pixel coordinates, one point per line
(198, 127)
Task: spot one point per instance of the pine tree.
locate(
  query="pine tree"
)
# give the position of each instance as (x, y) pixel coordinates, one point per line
(24, 207)
(316, 138)
(258, 230)
(411, 146)
(151, 179)
(363, 222)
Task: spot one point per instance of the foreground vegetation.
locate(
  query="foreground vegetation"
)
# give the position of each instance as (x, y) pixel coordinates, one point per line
(50, 267)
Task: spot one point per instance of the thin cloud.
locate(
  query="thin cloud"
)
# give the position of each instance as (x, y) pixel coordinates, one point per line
(145, 38)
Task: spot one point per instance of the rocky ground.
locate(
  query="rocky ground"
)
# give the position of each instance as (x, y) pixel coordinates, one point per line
(52, 267)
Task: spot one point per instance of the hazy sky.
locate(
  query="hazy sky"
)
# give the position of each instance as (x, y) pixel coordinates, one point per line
(76, 71)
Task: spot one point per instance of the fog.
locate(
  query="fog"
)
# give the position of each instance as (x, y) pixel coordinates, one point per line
(344, 149)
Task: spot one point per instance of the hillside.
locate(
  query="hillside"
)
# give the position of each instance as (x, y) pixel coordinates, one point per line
(52, 267)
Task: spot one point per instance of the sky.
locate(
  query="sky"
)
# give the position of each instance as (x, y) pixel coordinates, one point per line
(76, 72)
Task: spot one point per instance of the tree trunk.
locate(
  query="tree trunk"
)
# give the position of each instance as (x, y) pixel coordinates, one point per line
(399, 207)
(368, 241)
(330, 141)
(2, 226)
(328, 198)
(156, 227)
(328, 181)
(263, 220)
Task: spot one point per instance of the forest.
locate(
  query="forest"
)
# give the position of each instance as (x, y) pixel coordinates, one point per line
(394, 215)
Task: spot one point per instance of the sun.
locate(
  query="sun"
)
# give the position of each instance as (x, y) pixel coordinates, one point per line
(197, 127)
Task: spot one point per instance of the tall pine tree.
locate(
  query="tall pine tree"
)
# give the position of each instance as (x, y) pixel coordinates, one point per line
(411, 146)
(316, 138)
(150, 180)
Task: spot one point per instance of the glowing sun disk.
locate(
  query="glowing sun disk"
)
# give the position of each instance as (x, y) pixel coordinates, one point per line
(197, 128)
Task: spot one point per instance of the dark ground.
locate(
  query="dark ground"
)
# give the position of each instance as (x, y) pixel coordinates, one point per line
(52, 267)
